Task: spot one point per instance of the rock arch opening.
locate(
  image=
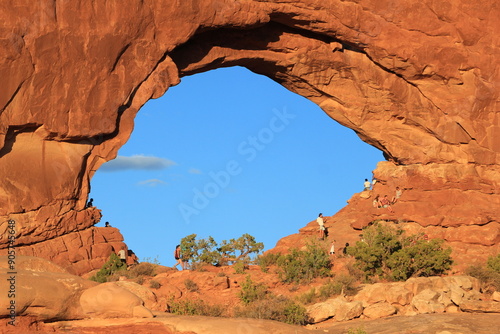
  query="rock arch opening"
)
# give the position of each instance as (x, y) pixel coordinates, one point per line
(235, 153)
(407, 79)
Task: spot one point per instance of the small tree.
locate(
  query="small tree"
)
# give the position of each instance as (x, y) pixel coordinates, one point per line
(207, 250)
(236, 250)
(387, 252)
(113, 265)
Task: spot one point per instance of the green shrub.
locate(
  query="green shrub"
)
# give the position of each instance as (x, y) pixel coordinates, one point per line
(251, 291)
(113, 265)
(339, 285)
(240, 267)
(303, 266)
(266, 260)
(494, 263)
(424, 258)
(190, 285)
(488, 277)
(275, 308)
(358, 330)
(195, 307)
(386, 252)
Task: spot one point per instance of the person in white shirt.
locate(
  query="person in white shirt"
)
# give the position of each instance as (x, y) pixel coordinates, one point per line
(321, 224)
(122, 255)
(367, 185)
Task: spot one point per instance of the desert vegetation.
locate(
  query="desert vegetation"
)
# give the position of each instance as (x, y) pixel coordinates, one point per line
(383, 253)
(388, 253)
(208, 252)
(488, 274)
(113, 269)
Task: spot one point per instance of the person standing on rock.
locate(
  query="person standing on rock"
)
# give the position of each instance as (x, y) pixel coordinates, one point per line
(178, 257)
(122, 255)
(321, 224)
(367, 185)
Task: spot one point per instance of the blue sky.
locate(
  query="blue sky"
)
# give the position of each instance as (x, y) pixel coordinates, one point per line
(224, 153)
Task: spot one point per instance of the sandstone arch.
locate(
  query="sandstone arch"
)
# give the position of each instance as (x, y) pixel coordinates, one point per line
(417, 79)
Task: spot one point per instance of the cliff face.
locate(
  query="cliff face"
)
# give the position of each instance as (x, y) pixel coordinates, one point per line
(417, 79)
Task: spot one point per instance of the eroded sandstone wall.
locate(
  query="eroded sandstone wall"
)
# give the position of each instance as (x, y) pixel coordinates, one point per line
(417, 79)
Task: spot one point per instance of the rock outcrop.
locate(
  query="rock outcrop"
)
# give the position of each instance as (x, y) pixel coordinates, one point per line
(416, 79)
(43, 291)
(423, 295)
(79, 252)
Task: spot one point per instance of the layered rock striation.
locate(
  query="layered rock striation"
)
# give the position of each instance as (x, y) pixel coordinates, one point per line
(416, 79)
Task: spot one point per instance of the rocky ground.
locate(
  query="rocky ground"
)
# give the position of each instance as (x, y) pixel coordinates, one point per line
(164, 323)
(54, 301)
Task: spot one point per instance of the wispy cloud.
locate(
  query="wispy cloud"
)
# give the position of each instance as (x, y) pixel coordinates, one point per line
(151, 182)
(136, 162)
(194, 171)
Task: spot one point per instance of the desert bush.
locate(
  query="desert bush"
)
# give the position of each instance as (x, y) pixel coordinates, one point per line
(251, 291)
(154, 284)
(494, 263)
(358, 330)
(112, 266)
(195, 307)
(302, 266)
(386, 252)
(190, 285)
(266, 260)
(240, 267)
(424, 258)
(309, 297)
(142, 269)
(339, 285)
(488, 275)
(275, 308)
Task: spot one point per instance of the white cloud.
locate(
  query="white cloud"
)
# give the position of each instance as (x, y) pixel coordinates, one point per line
(194, 171)
(136, 162)
(151, 182)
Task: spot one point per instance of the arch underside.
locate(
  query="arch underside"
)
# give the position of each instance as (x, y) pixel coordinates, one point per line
(418, 81)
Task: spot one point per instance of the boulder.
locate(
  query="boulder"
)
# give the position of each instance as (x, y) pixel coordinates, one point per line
(45, 296)
(349, 311)
(379, 310)
(427, 302)
(372, 293)
(398, 294)
(108, 300)
(147, 296)
(482, 306)
(328, 309)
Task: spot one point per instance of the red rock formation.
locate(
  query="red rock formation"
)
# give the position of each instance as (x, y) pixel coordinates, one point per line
(416, 79)
(79, 252)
